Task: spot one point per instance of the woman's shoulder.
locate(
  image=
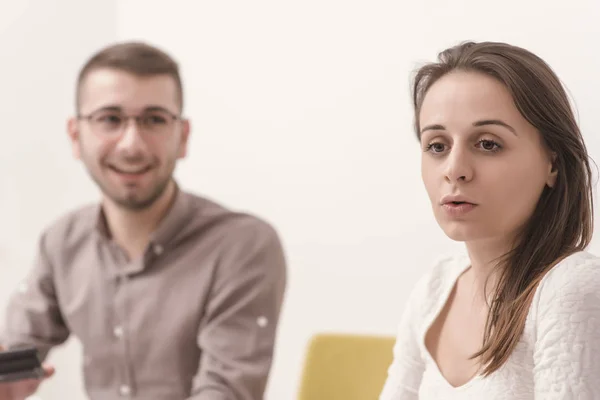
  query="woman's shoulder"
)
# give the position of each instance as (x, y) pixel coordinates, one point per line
(433, 285)
(446, 269)
(571, 286)
(429, 291)
(576, 271)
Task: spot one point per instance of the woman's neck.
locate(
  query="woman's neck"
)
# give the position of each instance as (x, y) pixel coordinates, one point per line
(484, 256)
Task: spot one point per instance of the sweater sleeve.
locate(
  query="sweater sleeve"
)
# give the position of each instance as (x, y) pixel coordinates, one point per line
(567, 348)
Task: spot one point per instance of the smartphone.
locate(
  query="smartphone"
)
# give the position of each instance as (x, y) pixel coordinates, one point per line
(19, 364)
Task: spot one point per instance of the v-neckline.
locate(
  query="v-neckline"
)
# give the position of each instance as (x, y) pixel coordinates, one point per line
(439, 308)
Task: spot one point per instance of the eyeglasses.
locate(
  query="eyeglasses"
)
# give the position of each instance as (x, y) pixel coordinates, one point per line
(108, 122)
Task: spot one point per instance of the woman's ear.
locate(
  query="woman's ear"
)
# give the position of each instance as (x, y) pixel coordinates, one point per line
(552, 174)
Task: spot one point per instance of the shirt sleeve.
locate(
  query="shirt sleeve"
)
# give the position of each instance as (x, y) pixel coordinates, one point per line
(33, 316)
(567, 348)
(406, 371)
(237, 337)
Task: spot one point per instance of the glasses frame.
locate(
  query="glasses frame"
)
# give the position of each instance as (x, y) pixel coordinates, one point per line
(89, 117)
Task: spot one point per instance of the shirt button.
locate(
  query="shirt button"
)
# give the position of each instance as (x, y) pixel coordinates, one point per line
(124, 390)
(262, 321)
(118, 331)
(158, 249)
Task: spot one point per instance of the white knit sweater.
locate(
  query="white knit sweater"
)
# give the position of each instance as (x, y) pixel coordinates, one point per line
(558, 356)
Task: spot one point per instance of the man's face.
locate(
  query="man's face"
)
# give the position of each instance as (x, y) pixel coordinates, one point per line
(132, 161)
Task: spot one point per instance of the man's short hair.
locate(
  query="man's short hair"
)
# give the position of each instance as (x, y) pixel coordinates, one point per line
(137, 58)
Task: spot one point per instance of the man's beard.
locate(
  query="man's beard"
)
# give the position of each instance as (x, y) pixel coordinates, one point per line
(134, 203)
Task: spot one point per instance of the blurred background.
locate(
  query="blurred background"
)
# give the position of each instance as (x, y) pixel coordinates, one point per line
(300, 113)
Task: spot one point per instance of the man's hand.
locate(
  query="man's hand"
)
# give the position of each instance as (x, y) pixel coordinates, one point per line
(20, 390)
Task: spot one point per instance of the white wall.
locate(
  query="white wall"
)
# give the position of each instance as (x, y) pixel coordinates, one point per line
(42, 45)
(300, 114)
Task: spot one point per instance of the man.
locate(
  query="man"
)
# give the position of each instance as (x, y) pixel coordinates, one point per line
(171, 295)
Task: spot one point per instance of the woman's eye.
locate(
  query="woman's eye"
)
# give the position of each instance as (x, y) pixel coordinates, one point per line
(436, 147)
(489, 145)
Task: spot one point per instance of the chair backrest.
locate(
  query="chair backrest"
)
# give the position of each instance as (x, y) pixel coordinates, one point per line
(345, 367)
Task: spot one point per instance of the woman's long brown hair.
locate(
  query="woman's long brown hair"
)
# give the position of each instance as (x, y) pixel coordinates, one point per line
(562, 222)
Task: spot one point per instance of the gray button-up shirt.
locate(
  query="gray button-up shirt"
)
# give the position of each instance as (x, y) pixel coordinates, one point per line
(195, 318)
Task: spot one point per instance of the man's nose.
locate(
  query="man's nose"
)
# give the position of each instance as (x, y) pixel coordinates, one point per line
(132, 139)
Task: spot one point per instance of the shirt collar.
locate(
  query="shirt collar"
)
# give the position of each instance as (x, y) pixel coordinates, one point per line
(172, 223)
(176, 218)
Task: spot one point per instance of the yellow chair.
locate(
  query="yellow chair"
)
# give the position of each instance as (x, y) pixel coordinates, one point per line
(345, 367)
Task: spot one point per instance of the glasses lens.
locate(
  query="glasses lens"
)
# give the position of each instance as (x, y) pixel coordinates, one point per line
(107, 122)
(156, 121)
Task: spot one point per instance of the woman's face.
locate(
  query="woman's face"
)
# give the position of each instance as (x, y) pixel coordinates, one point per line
(483, 165)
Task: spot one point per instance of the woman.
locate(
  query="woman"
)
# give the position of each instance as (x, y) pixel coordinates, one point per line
(507, 173)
